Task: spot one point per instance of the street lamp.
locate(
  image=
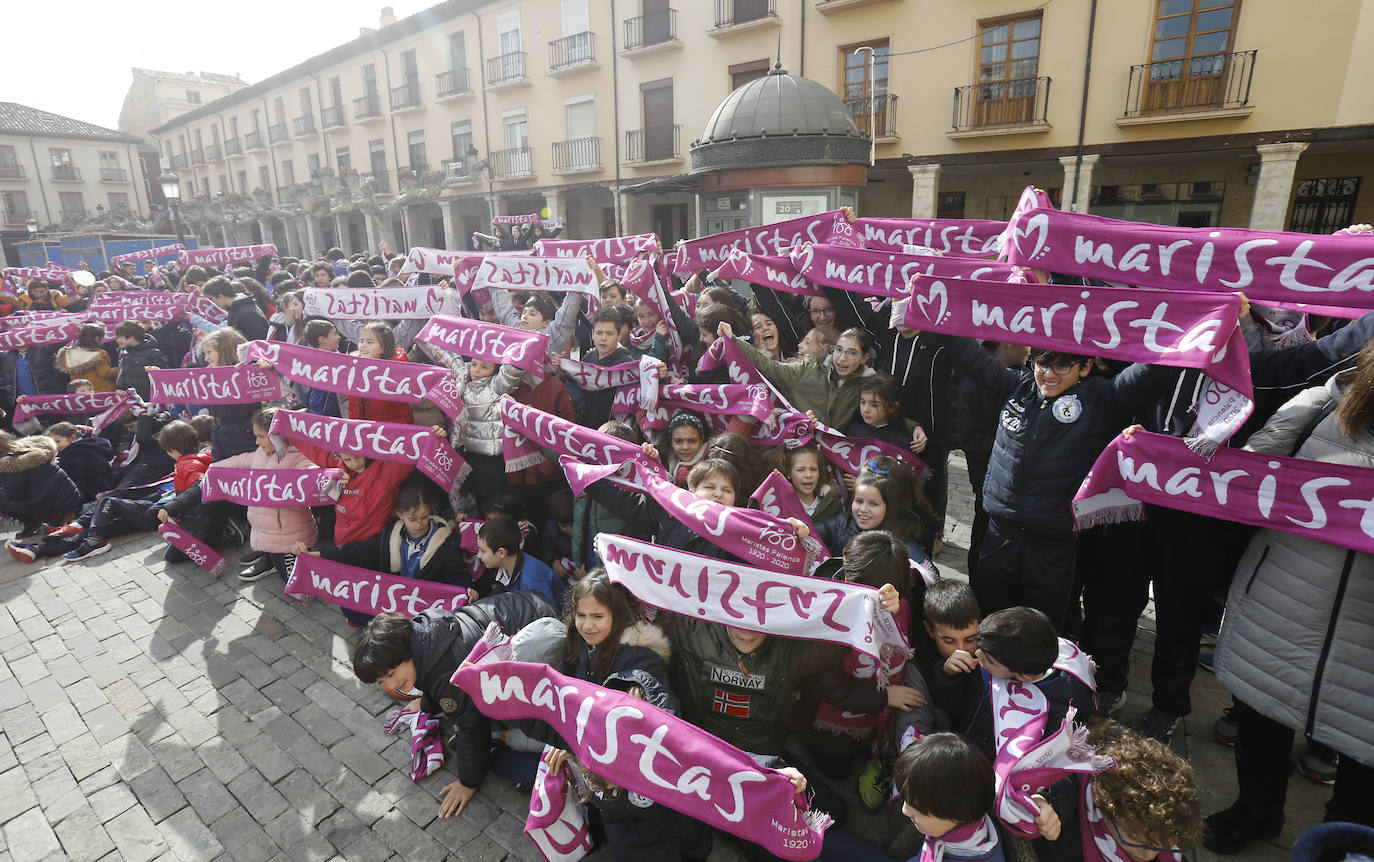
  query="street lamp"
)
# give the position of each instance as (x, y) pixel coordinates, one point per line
(171, 190)
(32, 225)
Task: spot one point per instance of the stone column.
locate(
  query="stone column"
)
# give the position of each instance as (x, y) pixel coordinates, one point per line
(1278, 164)
(373, 235)
(925, 190)
(1085, 183)
(224, 231)
(449, 240)
(340, 235)
(265, 227)
(553, 199)
(311, 234)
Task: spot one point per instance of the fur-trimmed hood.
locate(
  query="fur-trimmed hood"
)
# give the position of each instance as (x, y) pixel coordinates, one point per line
(28, 453)
(73, 360)
(648, 635)
(435, 543)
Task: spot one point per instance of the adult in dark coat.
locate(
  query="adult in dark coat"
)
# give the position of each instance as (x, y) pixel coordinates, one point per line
(419, 656)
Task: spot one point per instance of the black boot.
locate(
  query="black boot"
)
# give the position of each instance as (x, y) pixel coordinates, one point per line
(1229, 831)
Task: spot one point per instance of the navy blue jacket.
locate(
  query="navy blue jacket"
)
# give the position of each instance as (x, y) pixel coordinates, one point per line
(87, 462)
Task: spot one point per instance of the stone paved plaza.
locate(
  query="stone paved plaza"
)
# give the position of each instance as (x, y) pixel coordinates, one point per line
(153, 712)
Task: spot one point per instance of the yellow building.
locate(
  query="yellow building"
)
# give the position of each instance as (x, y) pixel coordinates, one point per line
(1198, 112)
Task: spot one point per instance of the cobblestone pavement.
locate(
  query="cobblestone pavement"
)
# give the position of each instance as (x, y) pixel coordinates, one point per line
(153, 712)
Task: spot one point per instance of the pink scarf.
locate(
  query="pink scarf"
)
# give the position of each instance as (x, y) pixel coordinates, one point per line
(717, 400)
(437, 261)
(776, 496)
(385, 379)
(129, 401)
(779, 273)
(1098, 841)
(384, 441)
(148, 306)
(538, 273)
(203, 306)
(557, 823)
(885, 273)
(223, 256)
(38, 405)
(758, 600)
(369, 592)
(971, 841)
(379, 303)
(710, 252)
(753, 536)
(1188, 329)
(197, 551)
(40, 334)
(645, 750)
(528, 430)
(477, 339)
(274, 488)
(426, 743)
(969, 237)
(147, 253)
(645, 279)
(219, 384)
(1269, 267)
(616, 249)
(1027, 760)
(787, 426)
(1314, 499)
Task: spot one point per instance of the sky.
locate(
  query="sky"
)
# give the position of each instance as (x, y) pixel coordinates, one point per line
(72, 57)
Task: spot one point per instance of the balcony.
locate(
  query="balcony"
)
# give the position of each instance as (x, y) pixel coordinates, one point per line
(458, 172)
(830, 7)
(177, 161)
(72, 215)
(198, 156)
(647, 34)
(453, 84)
(578, 156)
(276, 134)
(415, 171)
(1018, 106)
(212, 153)
(654, 145)
(251, 141)
(406, 97)
(881, 112)
(19, 217)
(304, 127)
(332, 117)
(232, 147)
(507, 70)
(11, 171)
(367, 109)
(66, 173)
(381, 182)
(1213, 86)
(285, 195)
(742, 16)
(515, 163)
(572, 54)
(114, 175)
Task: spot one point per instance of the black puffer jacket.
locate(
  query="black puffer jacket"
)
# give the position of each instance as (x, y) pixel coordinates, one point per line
(247, 318)
(87, 462)
(31, 483)
(439, 642)
(1044, 448)
(134, 360)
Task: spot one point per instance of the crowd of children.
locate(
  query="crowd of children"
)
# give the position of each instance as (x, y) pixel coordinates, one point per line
(922, 746)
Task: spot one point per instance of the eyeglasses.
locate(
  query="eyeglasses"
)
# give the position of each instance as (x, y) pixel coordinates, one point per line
(1116, 833)
(1056, 367)
(846, 352)
(827, 310)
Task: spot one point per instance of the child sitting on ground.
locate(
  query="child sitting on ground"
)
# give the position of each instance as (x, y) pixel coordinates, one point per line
(418, 544)
(508, 568)
(33, 488)
(84, 457)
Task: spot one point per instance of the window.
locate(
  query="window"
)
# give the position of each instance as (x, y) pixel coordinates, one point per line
(307, 104)
(71, 204)
(234, 127)
(193, 97)
(336, 90)
(342, 159)
(376, 151)
(9, 162)
(370, 79)
(61, 158)
(16, 207)
(860, 81)
(223, 184)
(949, 205)
(1324, 206)
(415, 149)
(457, 52)
(409, 68)
(581, 114)
(659, 138)
(312, 163)
(214, 133)
(109, 159)
(119, 201)
(743, 73)
(517, 128)
(1008, 65)
(279, 110)
(461, 135)
(243, 182)
(205, 186)
(1189, 53)
(288, 172)
(199, 143)
(264, 178)
(508, 32)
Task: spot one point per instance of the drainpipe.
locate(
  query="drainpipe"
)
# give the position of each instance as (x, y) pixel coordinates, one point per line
(1083, 108)
(38, 172)
(615, 110)
(801, 52)
(486, 121)
(324, 135)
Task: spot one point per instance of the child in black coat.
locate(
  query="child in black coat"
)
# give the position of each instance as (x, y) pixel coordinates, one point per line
(32, 487)
(84, 457)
